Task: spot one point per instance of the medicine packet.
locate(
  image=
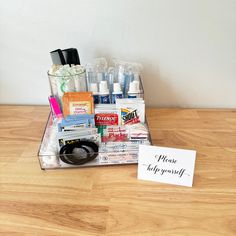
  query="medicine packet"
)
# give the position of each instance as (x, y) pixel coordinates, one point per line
(102, 120)
(78, 132)
(76, 103)
(88, 118)
(76, 122)
(138, 132)
(115, 133)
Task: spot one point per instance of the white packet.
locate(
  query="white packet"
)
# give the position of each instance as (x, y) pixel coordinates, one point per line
(131, 110)
(74, 138)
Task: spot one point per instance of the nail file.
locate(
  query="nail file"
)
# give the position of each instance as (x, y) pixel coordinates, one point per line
(56, 110)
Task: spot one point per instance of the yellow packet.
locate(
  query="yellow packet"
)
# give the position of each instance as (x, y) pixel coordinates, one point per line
(75, 103)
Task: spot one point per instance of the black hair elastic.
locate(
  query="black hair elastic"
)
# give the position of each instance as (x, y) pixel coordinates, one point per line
(67, 155)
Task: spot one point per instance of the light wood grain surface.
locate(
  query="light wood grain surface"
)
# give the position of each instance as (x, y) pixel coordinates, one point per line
(110, 200)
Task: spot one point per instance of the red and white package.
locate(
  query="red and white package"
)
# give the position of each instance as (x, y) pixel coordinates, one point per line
(116, 134)
(106, 119)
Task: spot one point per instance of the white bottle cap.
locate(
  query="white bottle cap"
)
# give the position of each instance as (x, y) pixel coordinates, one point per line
(94, 87)
(103, 87)
(116, 88)
(133, 87)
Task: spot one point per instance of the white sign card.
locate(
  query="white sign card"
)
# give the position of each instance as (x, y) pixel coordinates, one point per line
(166, 165)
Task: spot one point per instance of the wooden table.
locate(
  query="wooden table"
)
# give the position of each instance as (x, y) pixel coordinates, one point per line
(110, 200)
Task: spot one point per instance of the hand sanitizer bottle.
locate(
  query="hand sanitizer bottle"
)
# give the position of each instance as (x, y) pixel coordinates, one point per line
(104, 92)
(94, 90)
(110, 79)
(129, 77)
(134, 91)
(117, 93)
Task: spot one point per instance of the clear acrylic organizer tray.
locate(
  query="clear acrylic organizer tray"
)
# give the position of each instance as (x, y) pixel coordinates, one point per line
(110, 153)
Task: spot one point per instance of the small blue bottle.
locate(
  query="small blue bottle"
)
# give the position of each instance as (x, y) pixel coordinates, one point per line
(94, 90)
(129, 77)
(134, 91)
(110, 79)
(104, 93)
(117, 93)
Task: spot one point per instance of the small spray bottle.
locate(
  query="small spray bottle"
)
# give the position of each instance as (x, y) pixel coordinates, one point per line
(120, 70)
(104, 93)
(110, 78)
(100, 65)
(134, 91)
(129, 77)
(117, 93)
(94, 90)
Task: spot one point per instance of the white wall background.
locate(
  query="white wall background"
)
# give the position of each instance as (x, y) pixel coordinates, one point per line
(187, 47)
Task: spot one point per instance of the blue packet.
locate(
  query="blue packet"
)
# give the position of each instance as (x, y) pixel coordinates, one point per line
(79, 117)
(82, 117)
(73, 121)
(66, 124)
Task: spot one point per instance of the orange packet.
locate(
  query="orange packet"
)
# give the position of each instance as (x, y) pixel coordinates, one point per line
(75, 103)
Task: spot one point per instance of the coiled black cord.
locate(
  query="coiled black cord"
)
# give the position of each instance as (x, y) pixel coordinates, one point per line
(67, 155)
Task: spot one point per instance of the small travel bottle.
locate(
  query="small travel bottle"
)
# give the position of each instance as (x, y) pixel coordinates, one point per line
(117, 93)
(134, 91)
(94, 90)
(110, 79)
(104, 93)
(100, 76)
(121, 76)
(129, 77)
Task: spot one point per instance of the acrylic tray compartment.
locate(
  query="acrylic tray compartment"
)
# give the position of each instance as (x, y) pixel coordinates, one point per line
(110, 153)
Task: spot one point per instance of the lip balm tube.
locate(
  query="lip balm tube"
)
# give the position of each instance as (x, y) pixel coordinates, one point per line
(104, 93)
(117, 93)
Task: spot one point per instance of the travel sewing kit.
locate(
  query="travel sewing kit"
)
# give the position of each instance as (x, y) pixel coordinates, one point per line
(97, 113)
